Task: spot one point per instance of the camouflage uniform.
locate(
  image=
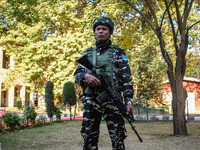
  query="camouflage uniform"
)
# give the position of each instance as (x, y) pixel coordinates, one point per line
(93, 110)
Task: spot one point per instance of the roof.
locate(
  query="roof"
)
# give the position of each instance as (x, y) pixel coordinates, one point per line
(186, 79)
(191, 79)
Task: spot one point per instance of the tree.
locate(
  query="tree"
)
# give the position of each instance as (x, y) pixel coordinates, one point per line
(193, 65)
(148, 70)
(69, 95)
(45, 38)
(180, 30)
(49, 96)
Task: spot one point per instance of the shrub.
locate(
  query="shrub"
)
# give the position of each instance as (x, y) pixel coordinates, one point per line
(2, 126)
(23, 121)
(30, 114)
(58, 113)
(11, 120)
(69, 95)
(19, 103)
(41, 120)
(49, 96)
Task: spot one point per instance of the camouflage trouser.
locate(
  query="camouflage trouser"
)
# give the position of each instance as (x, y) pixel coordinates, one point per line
(92, 116)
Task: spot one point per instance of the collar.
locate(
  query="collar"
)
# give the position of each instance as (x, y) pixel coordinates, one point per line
(103, 45)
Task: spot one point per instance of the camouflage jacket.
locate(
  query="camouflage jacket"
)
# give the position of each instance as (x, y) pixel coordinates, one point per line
(121, 63)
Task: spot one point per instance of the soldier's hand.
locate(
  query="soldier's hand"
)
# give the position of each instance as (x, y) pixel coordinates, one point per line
(92, 80)
(129, 107)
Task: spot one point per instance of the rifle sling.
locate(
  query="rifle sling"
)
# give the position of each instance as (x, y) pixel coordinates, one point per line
(94, 55)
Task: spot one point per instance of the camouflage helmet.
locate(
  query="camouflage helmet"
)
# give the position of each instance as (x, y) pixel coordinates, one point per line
(103, 21)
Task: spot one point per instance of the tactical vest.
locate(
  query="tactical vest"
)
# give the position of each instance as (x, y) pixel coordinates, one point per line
(104, 63)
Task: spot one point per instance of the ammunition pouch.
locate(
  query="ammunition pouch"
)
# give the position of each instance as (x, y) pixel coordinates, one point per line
(103, 96)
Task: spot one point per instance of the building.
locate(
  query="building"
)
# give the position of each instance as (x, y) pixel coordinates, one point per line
(23, 90)
(192, 86)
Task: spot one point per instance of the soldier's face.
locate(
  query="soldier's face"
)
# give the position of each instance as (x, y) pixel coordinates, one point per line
(102, 33)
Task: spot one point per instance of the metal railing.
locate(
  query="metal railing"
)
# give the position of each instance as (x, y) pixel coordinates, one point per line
(150, 110)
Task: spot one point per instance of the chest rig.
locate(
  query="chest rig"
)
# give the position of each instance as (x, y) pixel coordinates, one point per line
(104, 63)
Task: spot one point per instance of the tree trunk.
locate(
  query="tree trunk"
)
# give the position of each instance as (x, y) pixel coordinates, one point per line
(180, 127)
(178, 107)
(179, 121)
(70, 112)
(75, 111)
(176, 83)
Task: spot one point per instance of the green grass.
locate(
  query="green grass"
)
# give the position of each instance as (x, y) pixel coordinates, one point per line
(66, 136)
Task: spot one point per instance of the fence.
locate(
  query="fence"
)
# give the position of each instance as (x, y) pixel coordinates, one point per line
(143, 111)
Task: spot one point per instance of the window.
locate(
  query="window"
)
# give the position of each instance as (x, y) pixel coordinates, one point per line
(4, 97)
(6, 61)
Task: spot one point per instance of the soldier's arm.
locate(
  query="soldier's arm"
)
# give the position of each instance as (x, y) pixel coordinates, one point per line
(79, 75)
(125, 76)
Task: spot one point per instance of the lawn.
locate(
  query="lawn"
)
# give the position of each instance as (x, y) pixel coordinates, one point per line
(156, 135)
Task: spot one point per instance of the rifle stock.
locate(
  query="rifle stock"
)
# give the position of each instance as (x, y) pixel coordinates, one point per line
(115, 96)
(83, 60)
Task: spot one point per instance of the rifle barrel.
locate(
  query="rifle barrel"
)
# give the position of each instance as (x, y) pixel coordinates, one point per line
(133, 128)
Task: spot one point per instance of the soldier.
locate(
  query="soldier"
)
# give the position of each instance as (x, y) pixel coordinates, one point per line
(112, 62)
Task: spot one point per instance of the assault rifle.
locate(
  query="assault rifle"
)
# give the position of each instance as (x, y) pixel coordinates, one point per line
(109, 92)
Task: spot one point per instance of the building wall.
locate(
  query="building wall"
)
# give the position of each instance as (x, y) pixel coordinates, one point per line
(194, 87)
(193, 91)
(14, 91)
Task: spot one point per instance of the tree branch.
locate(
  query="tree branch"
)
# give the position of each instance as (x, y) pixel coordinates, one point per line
(165, 13)
(184, 34)
(148, 21)
(153, 13)
(157, 31)
(173, 30)
(179, 20)
(191, 27)
(187, 11)
(164, 52)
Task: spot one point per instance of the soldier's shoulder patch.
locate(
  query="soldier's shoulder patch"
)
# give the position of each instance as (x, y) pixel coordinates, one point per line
(124, 57)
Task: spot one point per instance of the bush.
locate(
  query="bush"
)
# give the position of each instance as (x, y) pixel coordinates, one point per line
(30, 114)
(41, 120)
(69, 95)
(1, 126)
(11, 120)
(58, 113)
(49, 96)
(23, 121)
(19, 103)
